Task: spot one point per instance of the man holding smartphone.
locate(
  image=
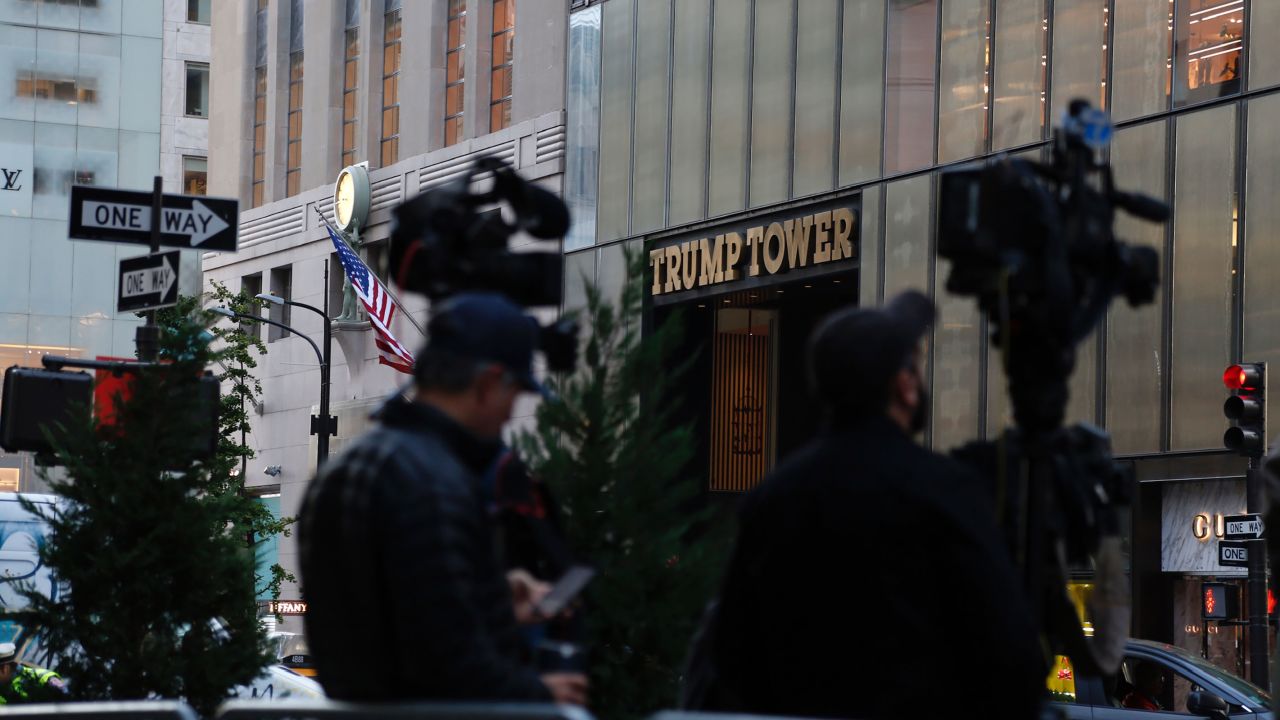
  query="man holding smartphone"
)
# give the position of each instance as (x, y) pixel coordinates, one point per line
(407, 597)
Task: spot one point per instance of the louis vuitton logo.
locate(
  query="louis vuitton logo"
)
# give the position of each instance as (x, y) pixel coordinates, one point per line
(11, 179)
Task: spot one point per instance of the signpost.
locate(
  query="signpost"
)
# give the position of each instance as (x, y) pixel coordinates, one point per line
(1243, 527)
(148, 282)
(1234, 554)
(188, 222)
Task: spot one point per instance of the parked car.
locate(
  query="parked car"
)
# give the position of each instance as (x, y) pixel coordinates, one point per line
(1190, 685)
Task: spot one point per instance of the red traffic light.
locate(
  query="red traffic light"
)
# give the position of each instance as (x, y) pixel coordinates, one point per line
(1247, 376)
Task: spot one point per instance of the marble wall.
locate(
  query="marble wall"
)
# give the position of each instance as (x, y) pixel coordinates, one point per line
(1180, 548)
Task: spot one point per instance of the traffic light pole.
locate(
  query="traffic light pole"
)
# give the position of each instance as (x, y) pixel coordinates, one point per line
(1259, 631)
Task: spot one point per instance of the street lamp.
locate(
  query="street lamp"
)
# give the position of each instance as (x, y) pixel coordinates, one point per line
(323, 425)
(324, 420)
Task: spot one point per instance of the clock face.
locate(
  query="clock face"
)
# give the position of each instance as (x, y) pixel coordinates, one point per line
(344, 199)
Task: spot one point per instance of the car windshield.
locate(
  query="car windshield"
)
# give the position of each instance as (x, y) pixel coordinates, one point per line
(1248, 690)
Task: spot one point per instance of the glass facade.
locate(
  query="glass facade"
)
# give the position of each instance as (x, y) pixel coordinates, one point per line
(690, 111)
(67, 117)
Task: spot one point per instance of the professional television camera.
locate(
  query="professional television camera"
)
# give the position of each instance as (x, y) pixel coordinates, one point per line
(445, 241)
(1034, 243)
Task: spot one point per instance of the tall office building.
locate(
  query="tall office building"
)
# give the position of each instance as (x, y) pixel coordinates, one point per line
(410, 91)
(92, 92)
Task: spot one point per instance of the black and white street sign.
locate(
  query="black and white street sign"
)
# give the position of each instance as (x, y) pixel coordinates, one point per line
(148, 282)
(1233, 554)
(1243, 527)
(186, 221)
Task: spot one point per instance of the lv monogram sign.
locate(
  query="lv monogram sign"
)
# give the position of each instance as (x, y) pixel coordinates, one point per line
(11, 178)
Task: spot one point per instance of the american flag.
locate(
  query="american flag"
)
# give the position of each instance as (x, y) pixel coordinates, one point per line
(377, 302)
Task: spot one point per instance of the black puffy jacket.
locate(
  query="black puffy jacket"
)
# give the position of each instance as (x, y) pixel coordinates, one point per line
(406, 598)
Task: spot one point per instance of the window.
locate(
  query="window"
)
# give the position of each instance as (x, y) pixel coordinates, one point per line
(1145, 684)
(910, 80)
(293, 161)
(455, 71)
(259, 133)
(1210, 44)
(195, 175)
(350, 83)
(250, 286)
(293, 173)
(71, 90)
(198, 11)
(281, 287)
(504, 34)
(390, 150)
(197, 90)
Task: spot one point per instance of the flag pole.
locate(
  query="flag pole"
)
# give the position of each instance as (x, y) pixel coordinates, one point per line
(385, 286)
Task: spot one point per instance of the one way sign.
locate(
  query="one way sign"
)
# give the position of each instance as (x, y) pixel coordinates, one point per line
(186, 221)
(1243, 527)
(148, 282)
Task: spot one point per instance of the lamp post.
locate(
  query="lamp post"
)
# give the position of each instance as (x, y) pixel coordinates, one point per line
(323, 425)
(324, 420)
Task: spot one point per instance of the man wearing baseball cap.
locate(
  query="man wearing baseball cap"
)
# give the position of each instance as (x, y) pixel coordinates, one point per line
(406, 597)
(870, 578)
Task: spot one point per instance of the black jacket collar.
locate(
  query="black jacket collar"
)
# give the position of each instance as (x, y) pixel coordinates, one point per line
(476, 453)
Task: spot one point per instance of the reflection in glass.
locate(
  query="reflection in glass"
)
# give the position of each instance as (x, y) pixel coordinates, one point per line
(1079, 53)
(197, 104)
(582, 132)
(965, 80)
(771, 87)
(54, 172)
(1264, 44)
(730, 78)
(868, 250)
(195, 176)
(957, 373)
(18, 61)
(616, 90)
(861, 91)
(1208, 47)
(1141, 70)
(909, 84)
(1022, 29)
(649, 163)
(57, 57)
(1262, 232)
(689, 106)
(1136, 366)
(816, 65)
(1203, 262)
(906, 235)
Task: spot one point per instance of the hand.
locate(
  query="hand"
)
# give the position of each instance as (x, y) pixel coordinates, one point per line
(568, 688)
(526, 592)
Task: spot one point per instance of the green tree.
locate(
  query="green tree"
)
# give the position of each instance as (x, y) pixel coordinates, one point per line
(619, 466)
(234, 360)
(149, 541)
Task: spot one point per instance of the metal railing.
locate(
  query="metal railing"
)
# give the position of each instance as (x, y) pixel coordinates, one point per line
(335, 710)
(107, 710)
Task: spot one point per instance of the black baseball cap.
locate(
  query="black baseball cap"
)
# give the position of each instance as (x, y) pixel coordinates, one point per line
(487, 327)
(854, 352)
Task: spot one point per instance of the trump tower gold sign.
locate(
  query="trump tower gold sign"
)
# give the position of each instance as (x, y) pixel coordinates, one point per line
(757, 251)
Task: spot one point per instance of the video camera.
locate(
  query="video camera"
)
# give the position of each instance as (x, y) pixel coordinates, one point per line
(455, 238)
(1034, 244)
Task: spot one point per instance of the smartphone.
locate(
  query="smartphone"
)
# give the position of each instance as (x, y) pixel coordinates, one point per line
(565, 590)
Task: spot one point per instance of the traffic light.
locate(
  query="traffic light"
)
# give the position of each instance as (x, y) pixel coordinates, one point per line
(1246, 408)
(1219, 601)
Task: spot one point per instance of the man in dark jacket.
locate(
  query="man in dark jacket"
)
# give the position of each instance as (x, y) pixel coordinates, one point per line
(869, 578)
(406, 597)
